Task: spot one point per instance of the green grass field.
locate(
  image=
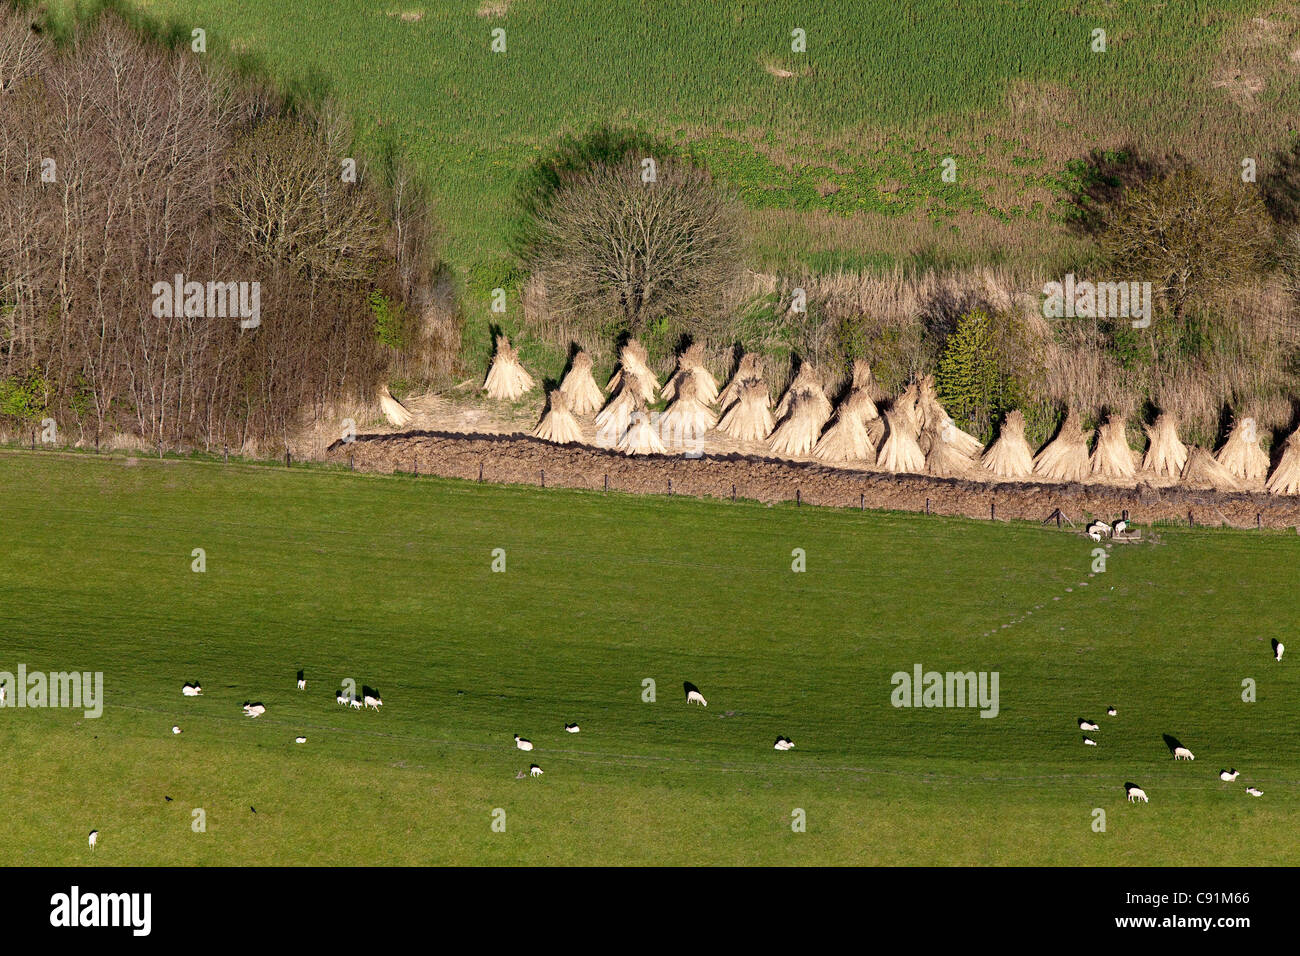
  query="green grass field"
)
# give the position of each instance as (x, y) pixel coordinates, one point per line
(855, 136)
(387, 580)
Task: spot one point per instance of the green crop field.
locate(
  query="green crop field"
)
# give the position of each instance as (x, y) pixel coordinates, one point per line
(831, 158)
(389, 581)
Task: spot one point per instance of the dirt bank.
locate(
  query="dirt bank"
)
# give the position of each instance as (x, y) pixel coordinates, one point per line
(520, 459)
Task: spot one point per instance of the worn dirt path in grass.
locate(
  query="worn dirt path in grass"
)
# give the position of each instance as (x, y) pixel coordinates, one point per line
(522, 459)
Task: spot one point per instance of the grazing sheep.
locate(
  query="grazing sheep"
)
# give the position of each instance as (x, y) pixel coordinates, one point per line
(176, 730)
(694, 696)
(1278, 648)
(355, 702)
(340, 697)
(523, 744)
(1227, 776)
(1137, 793)
(1120, 526)
(534, 771)
(783, 743)
(300, 740)
(1099, 529)
(374, 703)
(254, 710)
(571, 728)
(1087, 725)
(302, 683)
(94, 838)
(192, 690)
(1182, 753)
(1089, 742)
(1111, 712)
(1254, 792)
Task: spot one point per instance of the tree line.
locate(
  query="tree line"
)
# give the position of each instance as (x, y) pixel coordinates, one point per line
(125, 164)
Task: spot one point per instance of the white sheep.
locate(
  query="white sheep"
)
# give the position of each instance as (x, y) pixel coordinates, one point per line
(1254, 792)
(192, 690)
(1111, 711)
(695, 697)
(1121, 526)
(1137, 793)
(535, 770)
(300, 740)
(254, 710)
(176, 730)
(94, 838)
(1227, 776)
(302, 683)
(374, 703)
(1277, 651)
(571, 728)
(1089, 742)
(355, 702)
(1182, 753)
(1087, 725)
(1098, 529)
(341, 697)
(523, 744)
(783, 743)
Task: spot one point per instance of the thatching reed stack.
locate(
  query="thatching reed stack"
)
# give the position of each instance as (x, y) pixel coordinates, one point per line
(397, 414)
(750, 417)
(1010, 455)
(1166, 455)
(1065, 458)
(1285, 479)
(688, 417)
(847, 438)
(1112, 458)
(558, 424)
(1241, 454)
(507, 379)
(798, 431)
(641, 437)
(579, 386)
(1203, 471)
(690, 364)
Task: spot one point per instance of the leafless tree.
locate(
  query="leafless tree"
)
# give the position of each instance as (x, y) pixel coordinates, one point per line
(638, 250)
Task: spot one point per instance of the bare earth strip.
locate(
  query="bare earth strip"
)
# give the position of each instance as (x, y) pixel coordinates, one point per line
(520, 459)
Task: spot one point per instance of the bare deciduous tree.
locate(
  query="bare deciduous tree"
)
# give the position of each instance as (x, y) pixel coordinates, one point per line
(1187, 234)
(638, 250)
(123, 164)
